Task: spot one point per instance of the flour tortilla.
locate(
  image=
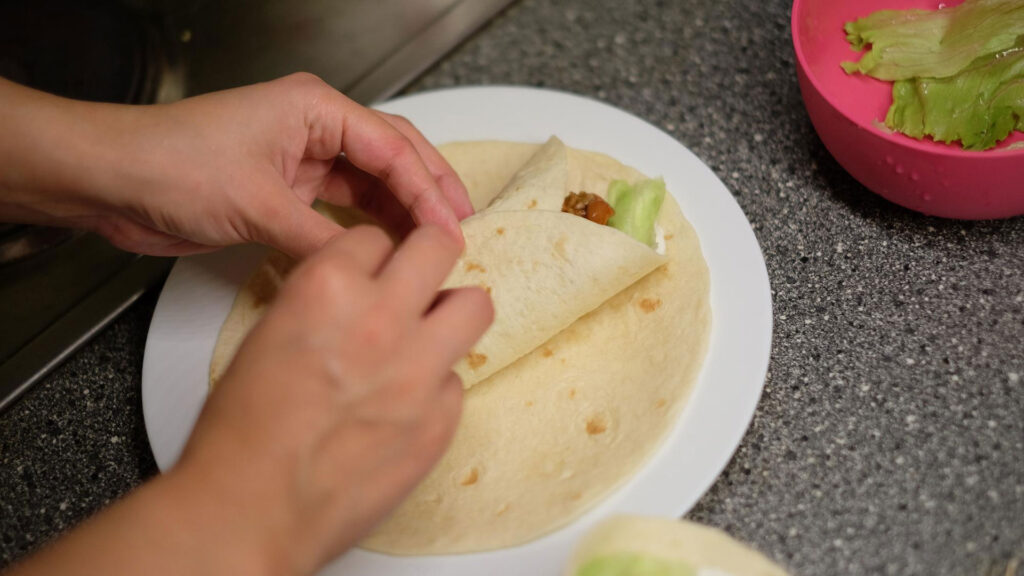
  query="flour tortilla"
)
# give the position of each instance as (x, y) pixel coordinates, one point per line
(553, 433)
(549, 436)
(707, 551)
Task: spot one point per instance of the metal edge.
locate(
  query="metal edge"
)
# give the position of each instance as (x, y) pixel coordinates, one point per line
(82, 322)
(438, 39)
(100, 308)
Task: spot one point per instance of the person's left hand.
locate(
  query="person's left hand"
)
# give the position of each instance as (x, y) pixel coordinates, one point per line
(236, 166)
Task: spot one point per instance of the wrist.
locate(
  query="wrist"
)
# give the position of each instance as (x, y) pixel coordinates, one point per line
(226, 530)
(235, 492)
(55, 157)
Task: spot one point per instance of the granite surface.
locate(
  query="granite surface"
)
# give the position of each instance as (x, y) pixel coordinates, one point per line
(890, 436)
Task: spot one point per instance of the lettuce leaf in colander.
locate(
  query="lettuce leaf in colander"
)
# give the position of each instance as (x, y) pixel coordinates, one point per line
(933, 43)
(979, 106)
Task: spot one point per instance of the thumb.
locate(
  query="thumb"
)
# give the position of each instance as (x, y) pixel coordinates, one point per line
(296, 229)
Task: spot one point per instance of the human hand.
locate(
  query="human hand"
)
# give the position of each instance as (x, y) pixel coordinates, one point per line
(229, 167)
(340, 399)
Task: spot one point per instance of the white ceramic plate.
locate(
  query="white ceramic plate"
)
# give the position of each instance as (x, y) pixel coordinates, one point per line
(199, 292)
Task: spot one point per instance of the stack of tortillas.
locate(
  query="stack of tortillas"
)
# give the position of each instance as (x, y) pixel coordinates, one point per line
(596, 343)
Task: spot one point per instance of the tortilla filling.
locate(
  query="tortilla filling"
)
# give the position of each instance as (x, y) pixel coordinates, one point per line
(589, 206)
(632, 209)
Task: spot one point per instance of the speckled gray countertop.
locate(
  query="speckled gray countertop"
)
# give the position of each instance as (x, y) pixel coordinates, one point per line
(890, 437)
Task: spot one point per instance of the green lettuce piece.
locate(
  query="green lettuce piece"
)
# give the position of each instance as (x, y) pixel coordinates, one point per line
(636, 207)
(934, 44)
(625, 564)
(980, 106)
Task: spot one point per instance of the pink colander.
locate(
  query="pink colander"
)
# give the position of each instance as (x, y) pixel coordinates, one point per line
(847, 111)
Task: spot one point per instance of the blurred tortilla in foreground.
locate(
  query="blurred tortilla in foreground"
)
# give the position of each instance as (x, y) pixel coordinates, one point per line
(638, 546)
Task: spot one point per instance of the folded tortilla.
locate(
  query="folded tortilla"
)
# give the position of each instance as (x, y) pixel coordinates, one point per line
(543, 268)
(601, 339)
(540, 184)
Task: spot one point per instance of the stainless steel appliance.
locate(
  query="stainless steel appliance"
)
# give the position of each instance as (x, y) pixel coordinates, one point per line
(58, 288)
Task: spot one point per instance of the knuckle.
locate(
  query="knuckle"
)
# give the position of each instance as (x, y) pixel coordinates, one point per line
(401, 121)
(397, 149)
(305, 79)
(320, 276)
(309, 89)
(372, 236)
(378, 332)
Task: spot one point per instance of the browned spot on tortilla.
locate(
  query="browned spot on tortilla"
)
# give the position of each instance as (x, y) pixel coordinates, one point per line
(661, 403)
(533, 204)
(263, 286)
(572, 392)
(502, 510)
(500, 231)
(669, 236)
(596, 425)
(547, 352)
(560, 247)
(471, 266)
(268, 278)
(486, 288)
(470, 478)
(279, 264)
(476, 360)
(576, 496)
(563, 360)
(649, 305)
(529, 403)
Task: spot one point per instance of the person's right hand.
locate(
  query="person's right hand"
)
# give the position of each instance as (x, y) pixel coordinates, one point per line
(340, 399)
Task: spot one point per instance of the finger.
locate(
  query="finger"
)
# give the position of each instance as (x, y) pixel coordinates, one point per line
(376, 147)
(292, 226)
(346, 185)
(418, 268)
(366, 247)
(451, 394)
(389, 212)
(455, 324)
(442, 423)
(451, 185)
